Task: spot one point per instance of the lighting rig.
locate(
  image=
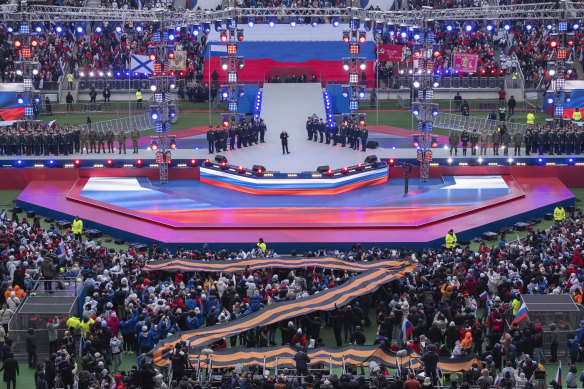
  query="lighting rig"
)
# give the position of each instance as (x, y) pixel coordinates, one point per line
(560, 46)
(232, 63)
(162, 111)
(25, 42)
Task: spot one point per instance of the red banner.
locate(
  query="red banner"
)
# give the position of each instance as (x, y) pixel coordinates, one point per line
(391, 53)
(465, 63)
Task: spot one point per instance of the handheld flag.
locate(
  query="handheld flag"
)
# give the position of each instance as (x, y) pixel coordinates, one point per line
(497, 380)
(484, 296)
(407, 329)
(559, 373)
(521, 315)
(141, 64)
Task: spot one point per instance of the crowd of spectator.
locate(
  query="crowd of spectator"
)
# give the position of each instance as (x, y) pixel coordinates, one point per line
(128, 310)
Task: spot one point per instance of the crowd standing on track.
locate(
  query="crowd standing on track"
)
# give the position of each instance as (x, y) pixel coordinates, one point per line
(128, 310)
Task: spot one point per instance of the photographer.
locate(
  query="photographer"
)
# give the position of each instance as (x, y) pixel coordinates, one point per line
(178, 361)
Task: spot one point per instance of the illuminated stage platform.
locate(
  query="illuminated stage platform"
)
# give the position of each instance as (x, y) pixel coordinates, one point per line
(190, 212)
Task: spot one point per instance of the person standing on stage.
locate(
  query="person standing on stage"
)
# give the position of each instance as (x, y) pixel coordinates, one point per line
(211, 139)
(284, 139)
(364, 136)
(309, 128)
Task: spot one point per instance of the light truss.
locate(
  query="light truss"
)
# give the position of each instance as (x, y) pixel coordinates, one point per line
(536, 11)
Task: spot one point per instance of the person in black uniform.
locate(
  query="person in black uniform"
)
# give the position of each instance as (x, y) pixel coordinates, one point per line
(76, 139)
(2, 142)
(284, 138)
(29, 143)
(321, 130)
(238, 132)
(224, 136)
(309, 128)
(327, 133)
(577, 142)
(254, 129)
(211, 140)
(356, 138)
(335, 133)
(343, 135)
(527, 141)
(20, 142)
(232, 136)
(244, 135)
(263, 129)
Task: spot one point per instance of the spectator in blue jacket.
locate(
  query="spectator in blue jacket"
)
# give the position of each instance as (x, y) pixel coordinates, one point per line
(573, 348)
(192, 321)
(256, 300)
(145, 340)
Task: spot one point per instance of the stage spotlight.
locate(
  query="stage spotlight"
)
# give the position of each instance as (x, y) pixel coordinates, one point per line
(118, 29)
(362, 119)
(240, 169)
(449, 28)
(507, 27)
(468, 28)
(139, 163)
(58, 29)
(271, 23)
(367, 25)
(345, 91)
(346, 64)
(207, 162)
(528, 27)
(172, 140)
(223, 36)
(361, 92)
(224, 63)
(292, 23)
(240, 35)
(20, 100)
(217, 25)
(223, 165)
(314, 22)
(193, 162)
(391, 162)
(250, 22)
(575, 26)
(172, 111)
(110, 163)
(79, 29)
(206, 28)
(225, 92)
(231, 24)
(434, 142)
(359, 167)
(17, 44)
(416, 109)
(241, 92)
(139, 29)
(154, 113)
(77, 163)
(355, 23)
(345, 170)
(435, 110)
(540, 160)
(550, 26)
(449, 160)
(550, 100)
(362, 64)
(336, 21)
(346, 36)
(362, 36)
(153, 143)
(489, 27)
(329, 172)
(480, 160)
(416, 141)
(225, 120)
(416, 84)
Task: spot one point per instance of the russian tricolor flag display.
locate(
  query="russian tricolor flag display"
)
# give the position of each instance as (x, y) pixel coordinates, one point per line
(521, 315)
(484, 296)
(302, 49)
(407, 329)
(559, 373)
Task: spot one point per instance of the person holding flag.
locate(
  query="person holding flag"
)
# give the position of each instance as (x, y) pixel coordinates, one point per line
(407, 329)
(521, 314)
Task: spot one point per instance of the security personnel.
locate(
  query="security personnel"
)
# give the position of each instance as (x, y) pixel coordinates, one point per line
(540, 142)
(29, 143)
(77, 138)
(70, 81)
(350, 131)
(20, 142)
(83, 140)
(254, 134)
(450, 239)
(335, 133)
(135, 135)
(530, 118)
(506, 140)
(262, 128)
(109, 138)
(559, 213)
(364, 137)
(528, 137)
(309, 128)
(578, 142)
(321, 130)
(496, 140)
(577, 115)
(77, 228)
(569, 142)
(232, 137)
(211, 140)
(356, 138)
(138, 99)
(474, 140)
(47, 143)
(464, 138)
(327, 134)
(121, 141)
(343, 135)
(238, 136)
(244, 135)
(100, 141)
(502, 113)
(517, 140)
(224, 136)
(2, 142)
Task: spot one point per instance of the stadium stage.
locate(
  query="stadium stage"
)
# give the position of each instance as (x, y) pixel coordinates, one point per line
(188, 211)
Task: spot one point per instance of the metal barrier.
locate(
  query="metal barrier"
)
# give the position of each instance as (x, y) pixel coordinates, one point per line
(141, 122)
(458, 123)
(101, 106)
(456, 82)
(39, 306)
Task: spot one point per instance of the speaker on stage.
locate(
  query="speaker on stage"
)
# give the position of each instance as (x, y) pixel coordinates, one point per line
(220, 158)
(372, 144)
(323, 169)
(257, 168)
(371, 159)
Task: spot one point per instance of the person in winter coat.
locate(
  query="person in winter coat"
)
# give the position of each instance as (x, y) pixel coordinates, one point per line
(572, 377)
(52, 325)
(11, 371)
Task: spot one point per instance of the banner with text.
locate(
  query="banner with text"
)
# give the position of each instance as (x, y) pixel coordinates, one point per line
(465, 63)
(391, 53)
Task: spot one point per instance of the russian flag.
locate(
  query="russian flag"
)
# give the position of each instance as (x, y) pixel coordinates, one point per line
(521, 315)
(484, 295)
(497, 380)
(559, 373)
(407, 329)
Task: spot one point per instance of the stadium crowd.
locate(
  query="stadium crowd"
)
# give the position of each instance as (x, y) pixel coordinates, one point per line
(458, 300)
